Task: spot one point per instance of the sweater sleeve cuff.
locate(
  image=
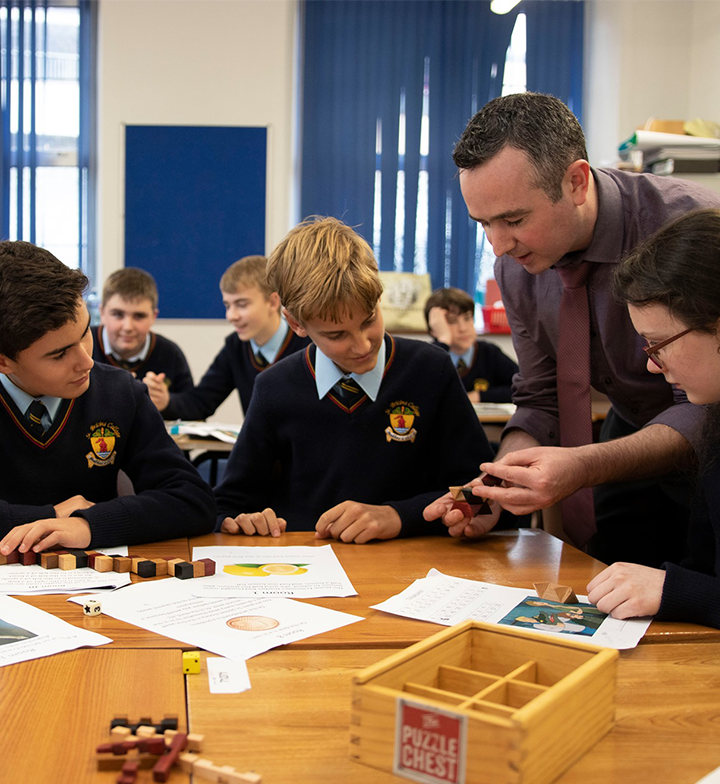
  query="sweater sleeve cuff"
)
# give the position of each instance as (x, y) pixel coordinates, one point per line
(22, 513)
(689, 596)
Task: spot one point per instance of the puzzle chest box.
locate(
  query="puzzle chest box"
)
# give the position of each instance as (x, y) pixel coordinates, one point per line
(483, 704)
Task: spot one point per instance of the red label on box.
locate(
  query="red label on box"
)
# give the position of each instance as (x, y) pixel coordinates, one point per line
(429, 744)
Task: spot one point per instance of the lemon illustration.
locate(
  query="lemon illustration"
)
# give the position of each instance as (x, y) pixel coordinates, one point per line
(281, 568)
(239, 570)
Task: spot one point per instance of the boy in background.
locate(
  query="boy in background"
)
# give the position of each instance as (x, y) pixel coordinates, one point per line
(128, 311)
(349, 436)
(261, 338)
(68, 426)
(486, 373)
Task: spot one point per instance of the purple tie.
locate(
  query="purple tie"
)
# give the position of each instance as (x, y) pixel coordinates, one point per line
(573, 385)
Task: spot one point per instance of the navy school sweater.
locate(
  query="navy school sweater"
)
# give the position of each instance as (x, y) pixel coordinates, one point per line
(164, 356)
(235, 367)
(493, 369)
(113, 426)
(301, 456)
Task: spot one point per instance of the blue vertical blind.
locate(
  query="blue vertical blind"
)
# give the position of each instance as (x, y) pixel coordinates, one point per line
(387, 89)
(45, 90)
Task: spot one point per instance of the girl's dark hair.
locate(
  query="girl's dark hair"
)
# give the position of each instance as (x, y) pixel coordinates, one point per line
(678, 267)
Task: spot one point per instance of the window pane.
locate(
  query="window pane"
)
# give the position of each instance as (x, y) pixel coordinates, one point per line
(57, 212)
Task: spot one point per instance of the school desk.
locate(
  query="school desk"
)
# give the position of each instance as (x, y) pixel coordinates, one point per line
(57, 709)
(293, 725)
(379, 570)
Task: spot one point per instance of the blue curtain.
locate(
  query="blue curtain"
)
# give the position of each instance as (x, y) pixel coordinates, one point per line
(360, 59)
(554, 55)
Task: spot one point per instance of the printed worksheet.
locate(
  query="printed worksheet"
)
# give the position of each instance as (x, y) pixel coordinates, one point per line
(449, 600)
(300, 572)
(17, 579)
(29, 633)
(235, 627)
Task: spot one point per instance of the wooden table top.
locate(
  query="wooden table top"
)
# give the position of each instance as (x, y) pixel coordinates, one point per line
(668, 708)
(59, 708)
(379, 570)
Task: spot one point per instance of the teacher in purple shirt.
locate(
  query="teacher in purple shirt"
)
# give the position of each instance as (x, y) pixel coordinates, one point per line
(525, 178)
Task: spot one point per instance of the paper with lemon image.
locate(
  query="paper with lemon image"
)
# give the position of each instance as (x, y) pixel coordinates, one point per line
(297, 571)
(263, 570)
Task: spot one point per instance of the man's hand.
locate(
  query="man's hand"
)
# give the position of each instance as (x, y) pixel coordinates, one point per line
(540, 477)
(45, 534)
(264, 523)
(158, 389)
(66, 508)
(457, 523)
(627, 590)
(438, 324)
(351, 521)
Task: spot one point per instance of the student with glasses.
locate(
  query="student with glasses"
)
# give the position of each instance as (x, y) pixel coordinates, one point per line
(671, 285)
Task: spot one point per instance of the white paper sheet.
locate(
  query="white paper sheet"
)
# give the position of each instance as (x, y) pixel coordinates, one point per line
(237, 628)
(29, 633)
(17, 579)
(449, 600)
(218, 430)
(300, 572)
(226, 676)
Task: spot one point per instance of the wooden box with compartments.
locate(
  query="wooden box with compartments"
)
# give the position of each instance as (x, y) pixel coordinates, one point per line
(483, 704)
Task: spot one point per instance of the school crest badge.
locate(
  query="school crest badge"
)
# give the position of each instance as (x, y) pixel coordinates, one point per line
(103, 436)
(402, 416)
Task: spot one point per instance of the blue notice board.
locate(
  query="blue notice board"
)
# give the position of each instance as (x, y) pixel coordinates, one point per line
(194, 203)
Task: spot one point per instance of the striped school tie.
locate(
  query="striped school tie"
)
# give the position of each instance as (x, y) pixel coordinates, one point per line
(350, 391)
(261, 360)
(34, 414)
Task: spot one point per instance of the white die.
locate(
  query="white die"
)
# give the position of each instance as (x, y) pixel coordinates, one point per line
(92, 607)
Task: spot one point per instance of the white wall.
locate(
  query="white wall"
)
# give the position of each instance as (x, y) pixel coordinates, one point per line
(194, 62)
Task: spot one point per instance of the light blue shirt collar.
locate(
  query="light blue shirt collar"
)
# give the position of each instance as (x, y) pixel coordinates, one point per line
(271, 348)
(22, 400)
(141, 355)
(327, 374)
(466, 357)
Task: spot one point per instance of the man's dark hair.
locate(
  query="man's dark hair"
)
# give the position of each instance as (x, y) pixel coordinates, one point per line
(540, 125)
(38, 294)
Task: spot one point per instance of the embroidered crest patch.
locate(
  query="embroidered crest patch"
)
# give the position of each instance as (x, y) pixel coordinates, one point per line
(102, 437)
(402, 415)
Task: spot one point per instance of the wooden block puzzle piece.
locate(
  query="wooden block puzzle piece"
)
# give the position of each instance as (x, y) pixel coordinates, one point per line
(552, 592)
(121, 564)
(209, 566)
(223, 774)
(10, 558)
(161, 769)
(191, 662)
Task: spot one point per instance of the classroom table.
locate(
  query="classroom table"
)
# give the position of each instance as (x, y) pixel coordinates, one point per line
(379, 570)
(293, 725)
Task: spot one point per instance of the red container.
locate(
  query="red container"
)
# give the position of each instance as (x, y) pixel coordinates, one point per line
(496, 320)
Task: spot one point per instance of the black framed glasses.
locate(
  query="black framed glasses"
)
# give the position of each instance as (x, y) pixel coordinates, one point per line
(651, 351)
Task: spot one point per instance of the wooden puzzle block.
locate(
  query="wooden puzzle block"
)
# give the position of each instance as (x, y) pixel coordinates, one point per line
(168, 723)
(67, 561)
(121, 563)
(161, 769)
(81, 558)
(198, 568)
(10, 558)
(172, 563)
(186, 760)
(160, 566)
(184, 570)
(191, 662)
(195, 741)
(120, 733)
(209, 566)
(102, 563)
(28, 558)
(552, 592)
(92, 555)
(145, 731)
(143, 567)
(223, 774)
(48, 560)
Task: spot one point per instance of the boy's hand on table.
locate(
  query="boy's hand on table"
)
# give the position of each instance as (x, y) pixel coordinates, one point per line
(457, 523)
(158, 389)
(66, 508)
(352, 521)
(627, 590)
(45, 534)
(264, 523)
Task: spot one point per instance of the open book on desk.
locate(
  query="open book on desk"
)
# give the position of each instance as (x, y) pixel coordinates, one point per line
(211, 431)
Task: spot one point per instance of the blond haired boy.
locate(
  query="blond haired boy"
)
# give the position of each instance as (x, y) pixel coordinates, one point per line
(261, 338)
(125, 339)
(350, 436)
